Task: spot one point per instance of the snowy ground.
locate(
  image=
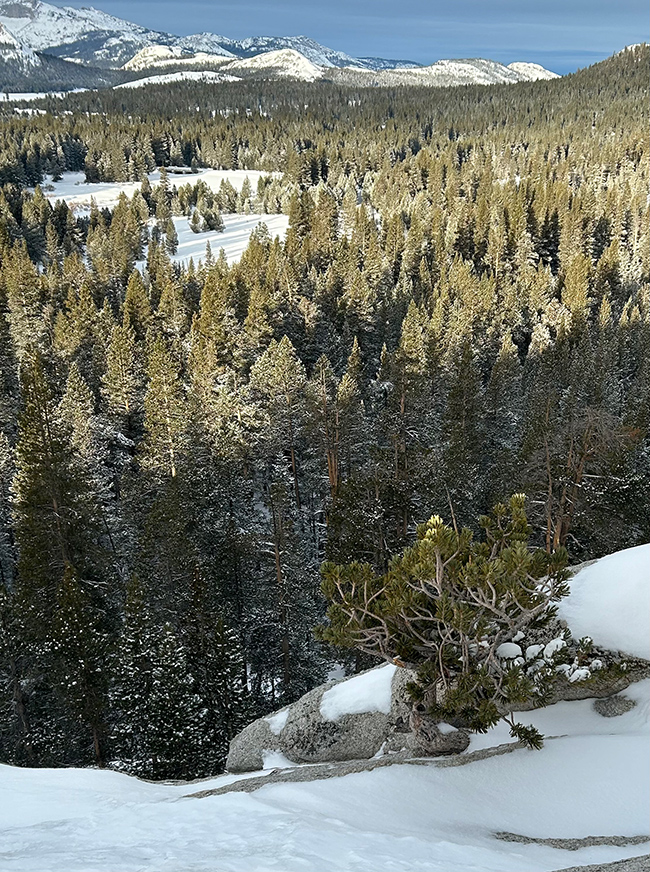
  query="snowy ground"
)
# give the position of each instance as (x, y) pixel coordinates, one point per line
(77, 193)
(590, 779)
(591, 782)
(233, 240)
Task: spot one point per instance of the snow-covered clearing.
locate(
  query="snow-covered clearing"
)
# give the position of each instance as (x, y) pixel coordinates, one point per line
(38, 95)
(590, 779)
(234, 239)
(238, 227)
(78, 193)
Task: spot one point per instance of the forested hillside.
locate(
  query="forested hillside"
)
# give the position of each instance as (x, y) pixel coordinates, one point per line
(460, 311)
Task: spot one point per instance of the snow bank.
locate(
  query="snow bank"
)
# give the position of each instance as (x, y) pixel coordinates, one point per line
(610, 601)
(369, 692)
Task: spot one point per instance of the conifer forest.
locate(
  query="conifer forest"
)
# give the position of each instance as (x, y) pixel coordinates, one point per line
(460, 311)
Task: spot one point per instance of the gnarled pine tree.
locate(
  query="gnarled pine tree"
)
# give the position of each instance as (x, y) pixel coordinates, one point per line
(453, 609)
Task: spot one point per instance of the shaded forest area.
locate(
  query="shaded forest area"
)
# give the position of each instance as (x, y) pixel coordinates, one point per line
(460, 311)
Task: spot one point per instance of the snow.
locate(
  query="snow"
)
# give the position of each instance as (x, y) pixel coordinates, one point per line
(610, 602)
(474, 71)
(470, 71)
(532, 72)
(275, 760)
(590, 781)
(234, 240)
(29, 95)
(91, 36)
(162, 55)
(191, 246)
(180, 76)
(42, 26)
(446, 729)
(277, 721)
(318, 54)
(553, 647)
(38, 95)
(96, 37)
(286, 62)
(12, 50)
(533, 651)
(575, 719)
(508, 651)
(368, 692)
(77, 193)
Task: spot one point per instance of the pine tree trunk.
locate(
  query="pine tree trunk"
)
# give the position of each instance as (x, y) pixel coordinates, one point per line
(282, 594)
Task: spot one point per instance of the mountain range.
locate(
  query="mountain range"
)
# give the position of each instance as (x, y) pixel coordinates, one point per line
(95, 38)
(67, 47)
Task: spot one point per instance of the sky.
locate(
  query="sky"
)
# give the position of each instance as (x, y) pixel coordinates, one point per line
(563, 35)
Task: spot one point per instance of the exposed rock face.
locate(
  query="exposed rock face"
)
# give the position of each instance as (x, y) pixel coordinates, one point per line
(303, 733)
(613, 706)
(601, 686)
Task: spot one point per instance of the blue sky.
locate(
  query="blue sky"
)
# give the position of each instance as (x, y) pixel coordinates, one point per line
(560, 34)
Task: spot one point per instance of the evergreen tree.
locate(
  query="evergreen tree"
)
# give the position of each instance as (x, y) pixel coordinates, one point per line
(446, 607)
(165, 418)
(161, 729)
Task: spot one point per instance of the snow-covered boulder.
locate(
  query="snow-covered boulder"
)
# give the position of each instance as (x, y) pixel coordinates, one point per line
(351, 719)
(371, 714)
(608, 603)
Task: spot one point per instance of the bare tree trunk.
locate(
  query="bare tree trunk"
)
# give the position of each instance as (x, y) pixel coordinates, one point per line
(282, 599)
(99, 756)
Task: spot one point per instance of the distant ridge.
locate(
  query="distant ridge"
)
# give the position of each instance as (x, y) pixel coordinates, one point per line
(89, 48)
(95, 38)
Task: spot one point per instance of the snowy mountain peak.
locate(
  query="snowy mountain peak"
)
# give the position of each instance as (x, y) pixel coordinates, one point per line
(532, 72)
(11, 50)
(169, 55)
(449, 72)
(286, 63)
(96, 38)
(92, 37)
(86, 35)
